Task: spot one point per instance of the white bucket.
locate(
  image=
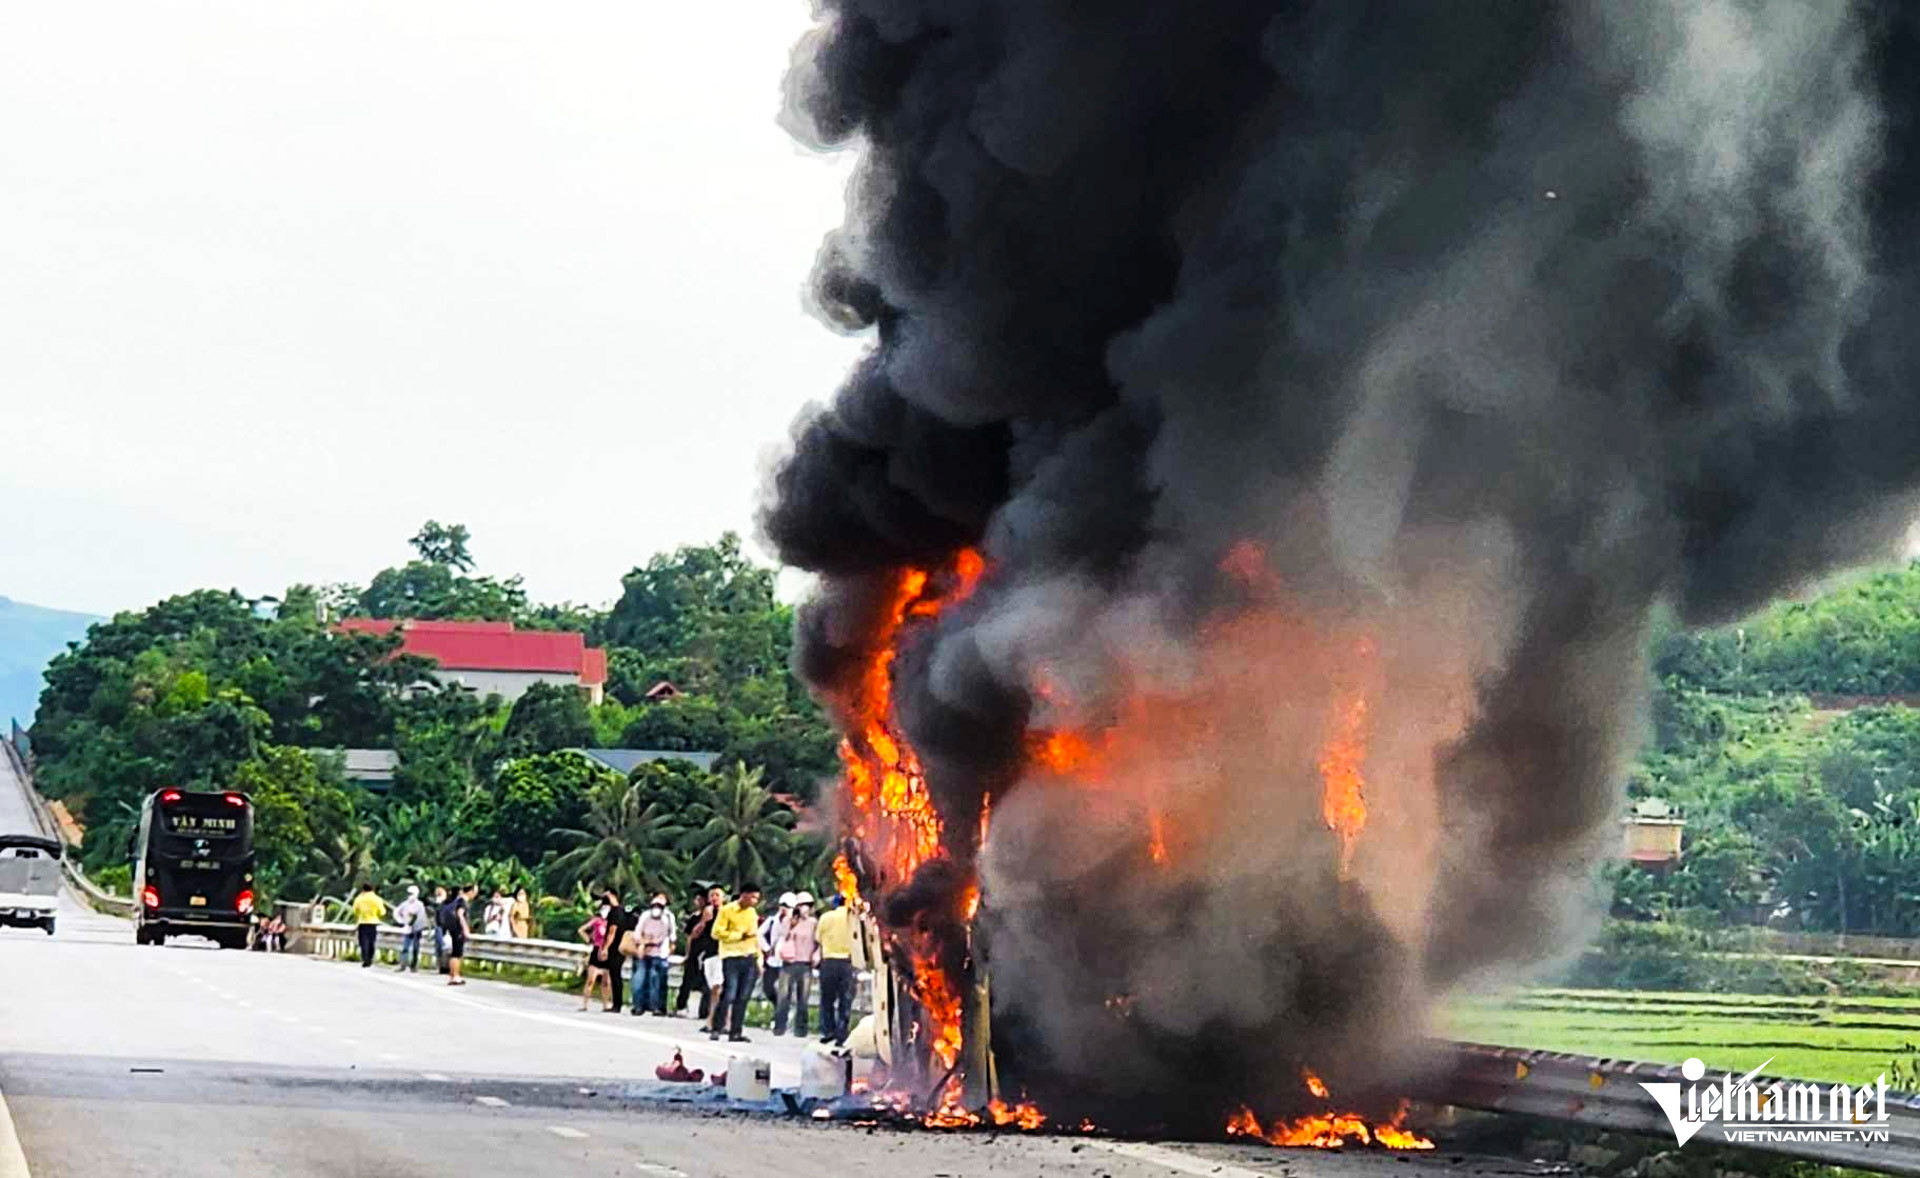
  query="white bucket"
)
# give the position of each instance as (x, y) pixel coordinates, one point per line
(823, 1075)
(749, 1080)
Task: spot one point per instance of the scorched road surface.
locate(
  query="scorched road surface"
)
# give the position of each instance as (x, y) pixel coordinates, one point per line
(184, 1060)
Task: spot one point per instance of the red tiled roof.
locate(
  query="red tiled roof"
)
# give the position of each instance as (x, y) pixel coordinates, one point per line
(491, 646)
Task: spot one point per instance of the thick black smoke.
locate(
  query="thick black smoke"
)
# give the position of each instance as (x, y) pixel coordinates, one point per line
(1497, 327)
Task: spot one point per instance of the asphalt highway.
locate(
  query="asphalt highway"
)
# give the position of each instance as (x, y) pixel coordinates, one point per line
(118, 1059)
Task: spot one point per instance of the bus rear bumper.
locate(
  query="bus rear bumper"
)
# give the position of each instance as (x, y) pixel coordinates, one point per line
(193, 920)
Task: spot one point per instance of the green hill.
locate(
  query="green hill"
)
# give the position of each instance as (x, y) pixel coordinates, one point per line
(29, 636)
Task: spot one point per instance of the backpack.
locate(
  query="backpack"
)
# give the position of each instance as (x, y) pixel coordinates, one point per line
(449, 916)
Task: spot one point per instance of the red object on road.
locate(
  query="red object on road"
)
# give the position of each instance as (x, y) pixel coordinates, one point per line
(677, 1072)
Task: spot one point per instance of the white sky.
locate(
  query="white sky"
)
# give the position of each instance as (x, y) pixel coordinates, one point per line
(279, 281)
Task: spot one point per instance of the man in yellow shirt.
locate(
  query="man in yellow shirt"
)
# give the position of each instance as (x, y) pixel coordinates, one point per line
(368, 911)
(737, 929)
(835, 935)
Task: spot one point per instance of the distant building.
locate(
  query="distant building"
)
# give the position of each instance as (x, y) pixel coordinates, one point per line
(493, 658)
(370, 769)
(625, 761)
(1650, 835)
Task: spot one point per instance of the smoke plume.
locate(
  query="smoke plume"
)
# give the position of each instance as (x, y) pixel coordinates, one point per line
(1333, 389)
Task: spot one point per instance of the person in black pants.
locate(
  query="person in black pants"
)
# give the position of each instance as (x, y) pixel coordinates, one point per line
(700, 946)
(368, 911)
(619, 922)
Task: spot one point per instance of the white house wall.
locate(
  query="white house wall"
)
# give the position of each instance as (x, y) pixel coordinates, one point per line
(508, 685)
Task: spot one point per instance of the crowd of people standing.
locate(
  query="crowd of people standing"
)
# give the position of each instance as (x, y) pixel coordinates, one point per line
(447, 917)
(731, 951)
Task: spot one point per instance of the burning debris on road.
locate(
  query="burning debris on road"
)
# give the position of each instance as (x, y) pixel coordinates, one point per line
(1285, 422)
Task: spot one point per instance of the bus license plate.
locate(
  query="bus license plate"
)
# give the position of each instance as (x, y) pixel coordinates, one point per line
(198, 902)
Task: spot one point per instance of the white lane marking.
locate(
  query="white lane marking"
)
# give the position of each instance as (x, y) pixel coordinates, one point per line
(1179, 1162)
(565, 1131)
(349, 1041)
(596, 1027)
(657, 1168)
(436, 1077)
(388, 1055)
(13, 1159)
(492, 1101)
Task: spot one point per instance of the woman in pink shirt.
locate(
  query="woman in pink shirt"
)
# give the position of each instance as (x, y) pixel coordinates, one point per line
(798, 950)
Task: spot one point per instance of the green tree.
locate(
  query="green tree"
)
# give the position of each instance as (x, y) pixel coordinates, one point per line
(301, 804)
(535, 795)
(412, 843)
(549, 717)
(625, 842)
(704, 617)
(444, 544)
(437, 584)
(739, 832)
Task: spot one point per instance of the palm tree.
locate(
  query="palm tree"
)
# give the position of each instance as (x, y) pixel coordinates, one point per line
(334, 864)
(741, 829)
(410, 841)
(626, 844)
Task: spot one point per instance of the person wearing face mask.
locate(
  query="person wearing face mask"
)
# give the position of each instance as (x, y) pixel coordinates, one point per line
(771, 930)
(797, 951)
(654, 935)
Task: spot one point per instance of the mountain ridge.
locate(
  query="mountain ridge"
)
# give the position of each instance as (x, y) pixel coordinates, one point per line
(30, 635)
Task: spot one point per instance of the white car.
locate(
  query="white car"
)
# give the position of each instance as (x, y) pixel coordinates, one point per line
(29, 881)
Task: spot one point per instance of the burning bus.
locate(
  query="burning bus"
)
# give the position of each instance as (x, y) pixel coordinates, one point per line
(1235, 557)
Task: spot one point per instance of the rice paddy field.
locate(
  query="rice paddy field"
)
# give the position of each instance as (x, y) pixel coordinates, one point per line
(1825, 1038)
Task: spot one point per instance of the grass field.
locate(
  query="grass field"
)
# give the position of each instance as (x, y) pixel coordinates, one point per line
(1836, 1039)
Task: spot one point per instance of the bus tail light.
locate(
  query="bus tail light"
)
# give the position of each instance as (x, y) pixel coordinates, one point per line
(235, 800)
(170, 795)
(244, 901)
(150, 896)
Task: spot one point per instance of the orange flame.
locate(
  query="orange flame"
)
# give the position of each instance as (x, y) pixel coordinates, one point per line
(941, 1002)
(892, 810)
(1157, 837)
(1024, 1115)
(1063, 750)
(1328, 1130)
(949, 1111)
(1343, 802)
(845, 882)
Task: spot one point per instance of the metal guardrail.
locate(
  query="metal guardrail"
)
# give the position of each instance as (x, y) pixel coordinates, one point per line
(96, 898)
(90, 892)
(335, 940)
(1606, 1094)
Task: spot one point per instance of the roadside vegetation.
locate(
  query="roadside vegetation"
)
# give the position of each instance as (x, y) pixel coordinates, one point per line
(1788, 744)
(212, 690)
